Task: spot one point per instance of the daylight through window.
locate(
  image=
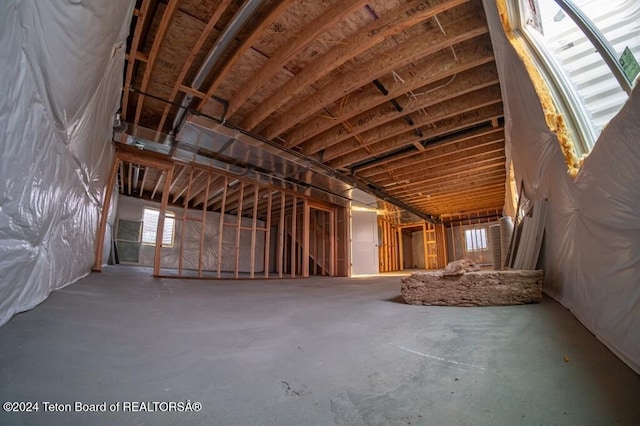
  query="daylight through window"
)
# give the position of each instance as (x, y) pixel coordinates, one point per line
(150, 227)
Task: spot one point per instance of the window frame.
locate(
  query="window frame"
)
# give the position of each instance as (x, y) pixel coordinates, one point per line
(565, 97)
(170, 218)
(478, 234)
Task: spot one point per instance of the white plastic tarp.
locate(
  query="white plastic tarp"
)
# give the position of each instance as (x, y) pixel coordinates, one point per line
(592, 233)
(61, 64)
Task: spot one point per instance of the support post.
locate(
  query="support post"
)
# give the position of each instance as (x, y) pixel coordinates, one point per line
(160, 230)
(106, 203)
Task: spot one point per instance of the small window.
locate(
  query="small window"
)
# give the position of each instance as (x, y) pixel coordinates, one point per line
(583, 81)
(476, 239)
(150, 227)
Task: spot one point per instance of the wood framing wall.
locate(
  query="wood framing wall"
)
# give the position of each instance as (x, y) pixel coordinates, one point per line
(227, 226)
(401, 243)
(455, 227)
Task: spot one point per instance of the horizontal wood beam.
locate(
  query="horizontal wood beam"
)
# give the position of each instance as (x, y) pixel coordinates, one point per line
(463, 83)
(135, 41)
(446, 183)
(397, 57)
(204, 35)
(169, 10)
(478, 183)
(441, 65)
(440, 119)
(417, 178)
(467, 151)
(364, 39)
(288, 51)
(457, 142)
(409, 185)
(246, 44)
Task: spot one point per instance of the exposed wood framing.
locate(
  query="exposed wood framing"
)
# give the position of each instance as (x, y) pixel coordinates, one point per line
(364, 39)
(402, 55)
(206, 32)
(442, 65)
(133, 54)
(163, 211)
(246, 45)
(157, 41)
(289, 50)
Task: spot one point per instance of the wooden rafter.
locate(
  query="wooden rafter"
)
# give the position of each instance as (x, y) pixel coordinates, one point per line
(481, 162)
(242, 49)
(416, 48)
(288, 51)
(206, 32)
(155, 47)
(457, 142)
(438, 66)
(390, 137)
(432, 153)
(133, 55)
(463, 84)
(361, 41)
(448, 160)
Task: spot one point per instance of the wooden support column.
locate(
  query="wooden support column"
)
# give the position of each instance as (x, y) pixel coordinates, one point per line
(305, 238)
(221, 225)
(204, 225)
(400, 249)
(293, 237)
(185, 212)
(453, 243)
(104, 216)
(463, 241)
(254, 226)
(267, 236)
(238, 226)
(160, 230)
(332, 242)
(424, 242)
(281, 232)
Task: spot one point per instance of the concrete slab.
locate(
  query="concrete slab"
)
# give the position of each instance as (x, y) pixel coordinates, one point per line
(320, 351)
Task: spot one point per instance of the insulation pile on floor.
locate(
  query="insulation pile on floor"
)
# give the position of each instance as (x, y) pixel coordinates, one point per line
(464, 285)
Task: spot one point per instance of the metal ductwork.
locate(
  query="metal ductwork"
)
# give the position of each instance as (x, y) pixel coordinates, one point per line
(222, 43)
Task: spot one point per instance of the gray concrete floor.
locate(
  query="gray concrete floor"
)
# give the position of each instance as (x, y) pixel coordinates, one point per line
(305, 352)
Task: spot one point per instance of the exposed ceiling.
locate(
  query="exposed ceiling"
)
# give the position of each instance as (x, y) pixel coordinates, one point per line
(399, 96)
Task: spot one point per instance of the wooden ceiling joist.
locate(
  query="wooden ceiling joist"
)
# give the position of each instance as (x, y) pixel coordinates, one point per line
(463, 84)
(206, 32)
(419, 47)
(157, 41)
(242, 49)
(288, 51)
(418, 178)
(478, 183)
(133, 55)
(367, 37)
(444, 182)
(442, 65)
(433, 153)
(394, 135)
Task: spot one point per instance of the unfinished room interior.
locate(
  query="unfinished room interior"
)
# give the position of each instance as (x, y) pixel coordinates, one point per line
(319, 212)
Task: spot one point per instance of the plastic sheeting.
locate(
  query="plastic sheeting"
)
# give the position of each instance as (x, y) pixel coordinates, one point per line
(62, 65)
(131, 208)
(592, 239)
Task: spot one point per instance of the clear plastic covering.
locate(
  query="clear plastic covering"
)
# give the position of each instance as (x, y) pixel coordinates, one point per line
(592, 233)
(61, 67)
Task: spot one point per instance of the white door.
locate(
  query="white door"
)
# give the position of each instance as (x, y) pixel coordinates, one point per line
(364, 242)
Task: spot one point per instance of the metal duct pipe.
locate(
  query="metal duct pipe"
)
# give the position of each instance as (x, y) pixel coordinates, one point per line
(239, 19)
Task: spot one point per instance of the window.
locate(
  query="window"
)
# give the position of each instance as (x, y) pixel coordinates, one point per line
(590, 81)
(475, 239)
(150, 226)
